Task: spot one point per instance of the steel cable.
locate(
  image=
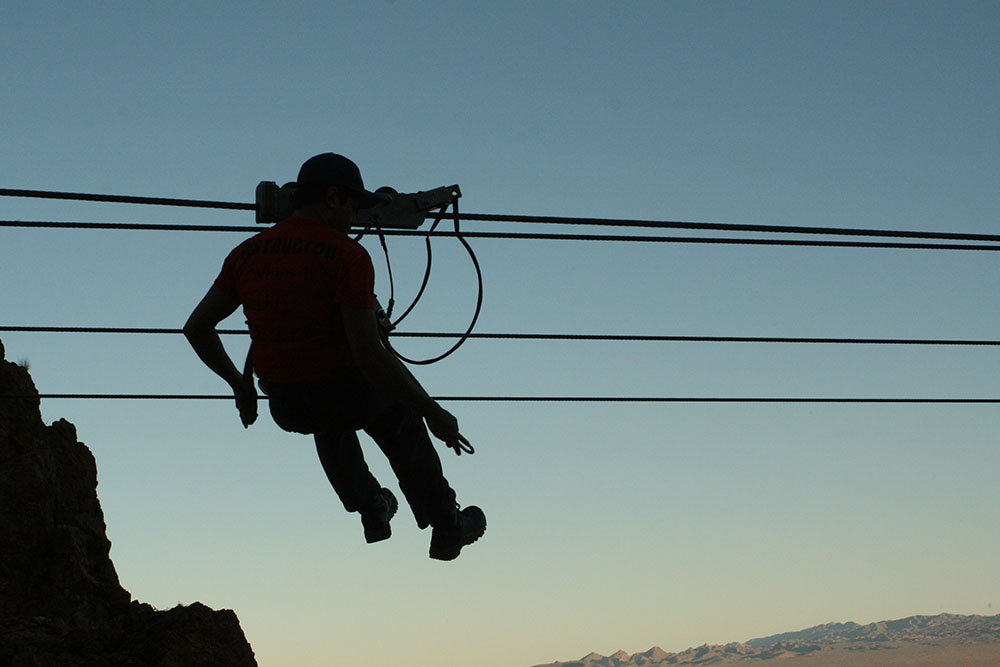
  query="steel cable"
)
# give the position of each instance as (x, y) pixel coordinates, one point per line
(949, 236)
(526, 236)
(564, 220)
(127, 199)
(730, 227)
(550, 399)
(556, 336)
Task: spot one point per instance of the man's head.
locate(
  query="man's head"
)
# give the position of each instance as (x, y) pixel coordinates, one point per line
(331, 181)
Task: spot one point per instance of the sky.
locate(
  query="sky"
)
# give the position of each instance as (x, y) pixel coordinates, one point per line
(611, 526)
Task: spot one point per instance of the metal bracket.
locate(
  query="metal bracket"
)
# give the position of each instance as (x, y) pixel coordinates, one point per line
(402, 211)
(273, 203)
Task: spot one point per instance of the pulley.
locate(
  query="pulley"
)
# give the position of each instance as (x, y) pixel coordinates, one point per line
(401, 211)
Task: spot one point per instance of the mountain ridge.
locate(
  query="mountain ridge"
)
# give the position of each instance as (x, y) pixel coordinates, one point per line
(842, 643)
(897, 630)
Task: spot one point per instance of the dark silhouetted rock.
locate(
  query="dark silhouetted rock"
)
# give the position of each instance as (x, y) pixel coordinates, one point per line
(61, 604)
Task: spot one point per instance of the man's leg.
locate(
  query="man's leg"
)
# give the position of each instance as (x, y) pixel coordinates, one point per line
(401, 435)
(345, 467)
(344, 464)
(320, 409)
(337, 410)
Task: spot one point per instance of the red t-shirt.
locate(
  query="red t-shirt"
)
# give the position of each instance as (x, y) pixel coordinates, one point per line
(291, 279)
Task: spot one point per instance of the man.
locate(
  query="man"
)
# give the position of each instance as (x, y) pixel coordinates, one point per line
(307, 291)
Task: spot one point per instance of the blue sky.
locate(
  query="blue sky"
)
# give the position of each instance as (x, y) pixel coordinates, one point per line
(611, 526)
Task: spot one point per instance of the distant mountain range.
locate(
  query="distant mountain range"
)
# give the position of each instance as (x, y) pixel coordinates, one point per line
(916, 640)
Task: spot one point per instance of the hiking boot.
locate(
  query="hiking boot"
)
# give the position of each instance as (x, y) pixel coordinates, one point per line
(448, 539)
(375, 518)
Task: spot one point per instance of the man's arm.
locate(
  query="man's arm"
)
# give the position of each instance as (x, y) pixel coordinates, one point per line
(387, 372)
(200, 333)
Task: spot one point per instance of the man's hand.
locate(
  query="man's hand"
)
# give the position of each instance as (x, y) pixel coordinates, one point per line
(246, 401)
(200, 332)
(387, 372)
(444, 426)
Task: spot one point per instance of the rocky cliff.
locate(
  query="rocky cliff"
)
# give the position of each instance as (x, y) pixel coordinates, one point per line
(61, 604)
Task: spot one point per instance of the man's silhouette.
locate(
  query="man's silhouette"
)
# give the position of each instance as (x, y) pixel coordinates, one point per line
(307, 291)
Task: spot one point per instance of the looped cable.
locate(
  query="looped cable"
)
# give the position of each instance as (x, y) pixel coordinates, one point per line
(460, 447)
(427, 269)
(479, 296)
(392, 286)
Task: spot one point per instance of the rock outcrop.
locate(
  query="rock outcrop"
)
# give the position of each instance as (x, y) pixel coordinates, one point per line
(61, 604)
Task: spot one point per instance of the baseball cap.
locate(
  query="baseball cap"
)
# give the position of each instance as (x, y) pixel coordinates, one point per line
(330, 169)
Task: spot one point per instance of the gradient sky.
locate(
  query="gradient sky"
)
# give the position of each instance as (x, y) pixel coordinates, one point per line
(610, 526)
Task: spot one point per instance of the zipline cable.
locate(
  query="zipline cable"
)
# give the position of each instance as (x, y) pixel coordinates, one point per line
(730, 227)
(555, 336)
(130, 226)
(564, 220)
(552, 399)
(127, 199)
(528, 236)
(784, 229)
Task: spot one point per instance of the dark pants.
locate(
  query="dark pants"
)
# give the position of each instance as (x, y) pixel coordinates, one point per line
(334, 411)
